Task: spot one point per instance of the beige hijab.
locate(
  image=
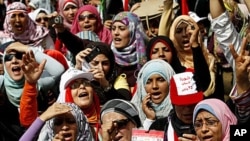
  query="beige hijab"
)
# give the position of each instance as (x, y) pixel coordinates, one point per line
(187, 59)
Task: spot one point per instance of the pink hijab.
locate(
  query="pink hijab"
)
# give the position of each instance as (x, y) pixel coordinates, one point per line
(220, 110)
(61, 5)
(103, 33)
(33, 34)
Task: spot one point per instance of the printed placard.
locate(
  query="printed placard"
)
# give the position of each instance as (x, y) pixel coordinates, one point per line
(143, 135)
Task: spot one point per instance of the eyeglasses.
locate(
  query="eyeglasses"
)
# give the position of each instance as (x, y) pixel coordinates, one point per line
(9, 57)
(89, 16)
(76, 84)
(208, 123)
(43, 18)
(121, 123)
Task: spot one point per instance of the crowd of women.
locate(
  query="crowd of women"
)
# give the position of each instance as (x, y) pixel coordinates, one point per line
(95, 70)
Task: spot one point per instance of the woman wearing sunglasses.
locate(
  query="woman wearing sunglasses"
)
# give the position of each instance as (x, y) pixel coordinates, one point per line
(88, 19)
(118, 118)
(75, 87)
(14, 78)
(40, 16)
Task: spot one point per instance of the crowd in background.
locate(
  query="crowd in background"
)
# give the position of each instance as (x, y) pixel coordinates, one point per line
(94, 70)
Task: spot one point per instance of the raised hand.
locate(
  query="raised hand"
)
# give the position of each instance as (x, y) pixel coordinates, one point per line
(32, 70)
(242, 67)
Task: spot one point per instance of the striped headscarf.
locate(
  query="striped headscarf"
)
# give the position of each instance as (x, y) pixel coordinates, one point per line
(83, 128)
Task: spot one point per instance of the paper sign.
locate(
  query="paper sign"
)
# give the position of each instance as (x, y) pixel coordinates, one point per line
(143, 135)
(185, 83)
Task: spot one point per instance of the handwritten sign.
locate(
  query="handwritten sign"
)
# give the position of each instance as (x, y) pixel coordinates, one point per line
(185, 83)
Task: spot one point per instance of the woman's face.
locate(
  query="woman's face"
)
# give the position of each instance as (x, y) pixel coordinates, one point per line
(82, 93)
(19, 22)
(120, 34)
(185, 113)
(42, 19)
(66, 126)
(13, 62)
(157, 87)
(182, 37)
(69, 12)
(101, 62)
(87, 21)
(161, 51)
(123, 132)
(208, 127)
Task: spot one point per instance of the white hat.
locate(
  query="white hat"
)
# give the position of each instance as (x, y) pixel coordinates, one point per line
(73, 74)
(195, 17)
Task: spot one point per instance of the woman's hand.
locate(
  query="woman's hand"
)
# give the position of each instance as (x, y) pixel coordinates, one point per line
(242, 67)
(146, 107)
(17, 46)
(108, 24)
(80, 58)
(193, 31)
(32, 70)
(100, 77)
(188, 137)
(108, 131)
(54, 110)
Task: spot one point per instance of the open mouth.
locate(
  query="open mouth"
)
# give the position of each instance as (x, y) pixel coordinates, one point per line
(207, 138)
(67, 136)
(18, 27)
(155, 95)
(16, 69)
(83, 95)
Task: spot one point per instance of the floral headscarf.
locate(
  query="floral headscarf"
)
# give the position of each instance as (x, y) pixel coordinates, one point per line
(84, 131)
(103, 33)
(33, 34)
(155, 66)
(135, 52)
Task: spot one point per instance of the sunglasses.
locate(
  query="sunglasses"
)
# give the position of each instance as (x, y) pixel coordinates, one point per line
(121, 123)
(89, 16)
(9, 57)
(43, 18)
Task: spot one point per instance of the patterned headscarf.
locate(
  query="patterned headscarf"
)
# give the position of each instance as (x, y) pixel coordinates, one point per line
(221, 111)
(135, 52)
(84, 131)
(155, 66)
(103, 33)
(33, 34)
(61, 6)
